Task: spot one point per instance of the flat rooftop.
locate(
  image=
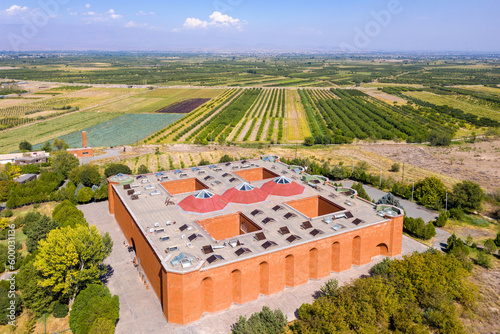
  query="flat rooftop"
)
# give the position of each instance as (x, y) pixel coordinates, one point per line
(289, 212)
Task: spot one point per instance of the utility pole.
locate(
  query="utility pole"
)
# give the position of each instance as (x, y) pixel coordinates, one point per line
(412, 189)
(296, 148)
(380, 183)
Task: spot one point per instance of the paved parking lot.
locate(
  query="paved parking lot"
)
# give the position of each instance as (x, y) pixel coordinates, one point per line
(140, 310)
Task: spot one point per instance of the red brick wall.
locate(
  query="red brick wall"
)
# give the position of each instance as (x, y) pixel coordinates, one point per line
(82, 152)
(186, 297)
(256, 174)
(290, 267)
(183, 186)
(314, 206)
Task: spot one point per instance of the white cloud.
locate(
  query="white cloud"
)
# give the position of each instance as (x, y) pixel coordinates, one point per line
(192, 23)
(87, 5)
(101, 17)
(141, 12)
(222, 20)
(113, 15)
(16, 10)
(217, 20)
(133, 24)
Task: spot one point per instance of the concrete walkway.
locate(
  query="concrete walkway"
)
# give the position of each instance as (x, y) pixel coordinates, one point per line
(412, 209)
(140, 309)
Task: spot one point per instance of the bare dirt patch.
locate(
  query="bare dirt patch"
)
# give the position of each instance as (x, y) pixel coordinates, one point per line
(477, 162)
(182, 107)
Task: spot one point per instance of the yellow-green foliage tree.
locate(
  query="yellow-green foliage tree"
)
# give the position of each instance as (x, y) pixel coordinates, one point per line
(71, 258)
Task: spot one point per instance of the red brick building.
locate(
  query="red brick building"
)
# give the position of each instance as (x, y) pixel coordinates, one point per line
(83, 151)
(208, 237)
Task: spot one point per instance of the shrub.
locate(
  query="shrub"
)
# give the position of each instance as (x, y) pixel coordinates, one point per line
(88, 175)
(380, 269)
(265, 321)
(93, 303)
(442, 219)
(330, 289)
(456, 213)
(497, 240)
(418, 228)
(203, 162)
(395, 167)
(490, 247)
(60, 310)
(484, 260)
(85, 195)
(7, 213)
(430, 192)
(5, 302)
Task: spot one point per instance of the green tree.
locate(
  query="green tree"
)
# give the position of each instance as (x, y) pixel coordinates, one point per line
(67, 214)
(37, 298)
(439, 138)
(47, 147)
(430, 192)
(266, 321)
(5, 303)
(361, 191)
(225, 158)
(25, 146)
(85, 195)
(59, 144)
(115, 169)
(143, 170)
(91, 305)
(88, 175)
(37, 231)
(63, 162)
(390, 199)
(467, 195)
(72, 258)
(204, 162)
(101, 193)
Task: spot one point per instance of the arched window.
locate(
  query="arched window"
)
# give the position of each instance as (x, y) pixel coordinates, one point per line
(289, 270)
(264, 278)
(356, 251)
(335, 257)
(313, 263)
(236, 286)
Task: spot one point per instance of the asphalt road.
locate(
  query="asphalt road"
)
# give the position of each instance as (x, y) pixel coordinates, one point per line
(412, 209)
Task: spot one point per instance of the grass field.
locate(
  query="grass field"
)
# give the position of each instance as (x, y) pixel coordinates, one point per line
(50, 129)
(124, 130)
(452, 101)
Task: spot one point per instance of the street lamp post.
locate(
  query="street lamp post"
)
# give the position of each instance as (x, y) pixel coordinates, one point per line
(412, 189)
(380, 182)
(446, 207)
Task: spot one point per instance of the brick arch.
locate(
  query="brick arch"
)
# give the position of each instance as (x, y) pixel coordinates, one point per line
(289, 270)
(236, 286)
(382, 249)
(313, 263)
(207, 294)
(356, 251)
(264, 278)
(335, 257)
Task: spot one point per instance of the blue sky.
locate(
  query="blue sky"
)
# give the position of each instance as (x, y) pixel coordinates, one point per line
(389, 25)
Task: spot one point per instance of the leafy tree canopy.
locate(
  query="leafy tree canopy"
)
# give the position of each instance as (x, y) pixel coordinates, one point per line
(71, 258)
(115, 168)
(63, 162)
(94, 308)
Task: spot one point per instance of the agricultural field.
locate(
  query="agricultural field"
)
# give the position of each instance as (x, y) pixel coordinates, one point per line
(50, 129)
(123, 130)
(455, 102)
